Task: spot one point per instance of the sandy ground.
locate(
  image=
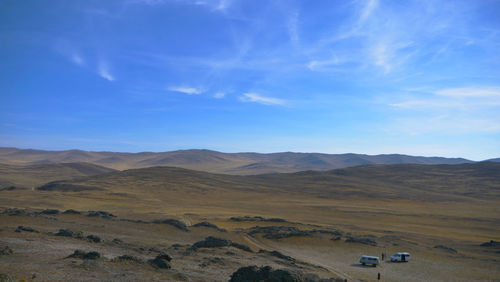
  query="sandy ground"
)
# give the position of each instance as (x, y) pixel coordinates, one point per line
(42, 256)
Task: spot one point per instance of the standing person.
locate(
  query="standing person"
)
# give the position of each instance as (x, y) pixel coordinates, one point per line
(383, 256)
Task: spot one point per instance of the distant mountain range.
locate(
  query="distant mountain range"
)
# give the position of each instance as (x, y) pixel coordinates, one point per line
(217, 162)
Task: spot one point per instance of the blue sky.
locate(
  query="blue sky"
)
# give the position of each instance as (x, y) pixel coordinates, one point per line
(412, 77)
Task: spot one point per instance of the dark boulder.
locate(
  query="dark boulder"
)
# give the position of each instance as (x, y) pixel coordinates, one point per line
(265, 273)
(164, 256)
(174, 222)
(69, 233)
(71, 211)
(329, 232)
(14, 211)
(117, 241)
(161, 261)
(12, 188)
(209, 225)
(102, 214)
(6, 251)
(211, 242)
(491, 243)
(256, 218)
(94, 239)
(84, 255)
(277, 254)
(50, 211)
(26, 229)
(241, 247)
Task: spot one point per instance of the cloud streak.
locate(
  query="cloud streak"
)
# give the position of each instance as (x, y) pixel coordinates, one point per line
(471, 92)
(185, 90)
(103, 71)
(77, 59)
(219, 95)
(258, 98)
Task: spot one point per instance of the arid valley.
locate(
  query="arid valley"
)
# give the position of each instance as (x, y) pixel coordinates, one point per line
(313, 224)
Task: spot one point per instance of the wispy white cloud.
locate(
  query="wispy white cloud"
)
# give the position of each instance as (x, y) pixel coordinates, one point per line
(223, 5)
(77, 59)
(451, 111)
(470, 92)
(292, 26)
(220, 95)
(185, 90)
(445, 124)
(103, 71)
(367, 10)
(258, 98)
(470, 98)
(319, 65)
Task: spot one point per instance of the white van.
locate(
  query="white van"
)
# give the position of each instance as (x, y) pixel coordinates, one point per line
(400, 257)
(369, 260)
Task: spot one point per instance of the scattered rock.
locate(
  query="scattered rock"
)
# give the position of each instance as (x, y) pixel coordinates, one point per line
(213, 260)
(277, 254)
(445, 248)
(209, 225)
(71, 211)
(334, 232)
(6, 251)
(267, 274)
(174, 222)
(94, 239)
(361, 240)
(6, 278)
(241, 247)
(84, 255)
(491, 243)
(154, 249)
(14, 211)
(256, 218)
(50, 211)
(161, 261)
(279, 232)
(67, 187)
(211, 242)
(102, 214)
(27, 229)
(127, 258)
(12, 188)
(69, 233)
(117, 241)
(164, 256)
(133, 220)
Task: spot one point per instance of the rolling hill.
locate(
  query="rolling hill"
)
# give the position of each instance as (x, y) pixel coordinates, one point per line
(217, 162)
(403, 181)
(31, 175)
(322, 221)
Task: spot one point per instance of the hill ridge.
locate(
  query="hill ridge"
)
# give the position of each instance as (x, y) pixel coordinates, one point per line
(242, 163)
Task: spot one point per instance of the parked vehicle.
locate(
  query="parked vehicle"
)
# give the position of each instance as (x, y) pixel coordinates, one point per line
(400, 257)
(369, 260)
